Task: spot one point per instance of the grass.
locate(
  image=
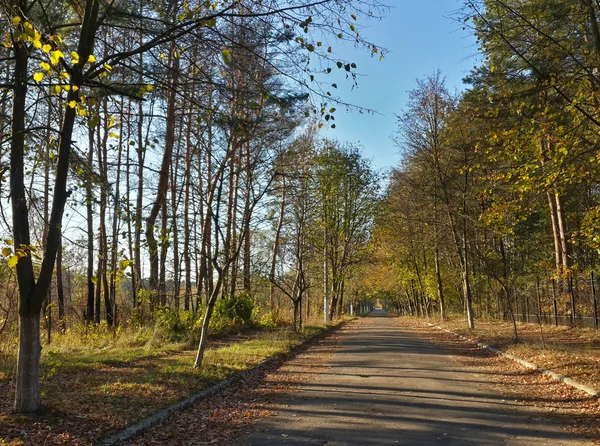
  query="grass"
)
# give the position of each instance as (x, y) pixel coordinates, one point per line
(99, 384)
(572, 352)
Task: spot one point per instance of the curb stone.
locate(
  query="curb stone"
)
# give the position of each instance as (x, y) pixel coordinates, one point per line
(145, 424)
(556, 376)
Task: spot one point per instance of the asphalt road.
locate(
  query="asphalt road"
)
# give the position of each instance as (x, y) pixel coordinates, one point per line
(385, 386)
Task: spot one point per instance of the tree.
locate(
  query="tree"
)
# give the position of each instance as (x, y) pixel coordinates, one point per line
(347, 190)
(83, 70)
(444, 171)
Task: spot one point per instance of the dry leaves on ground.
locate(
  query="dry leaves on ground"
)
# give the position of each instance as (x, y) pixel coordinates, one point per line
(230, 414)
(570, 407)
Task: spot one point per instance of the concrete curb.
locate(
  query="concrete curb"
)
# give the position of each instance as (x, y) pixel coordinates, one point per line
(142, 426)
(556, 376)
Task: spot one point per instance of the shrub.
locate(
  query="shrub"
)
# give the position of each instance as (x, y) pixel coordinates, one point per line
(269, 320)
(174, 326)
(238, 310)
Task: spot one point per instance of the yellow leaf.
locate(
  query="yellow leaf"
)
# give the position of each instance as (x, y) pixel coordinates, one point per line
(74, 58)
(56, 89)
(6, 44)
(66, 87)
(108, 67)
(72, 104)
(45, 66)
(38, 77)
(37, 44)
(46, 48)
(226, 56)
(12, 261)
(16, 20)
(6, 252)
(8, 241)
(91, 58)
(75, 88)
(55, 57)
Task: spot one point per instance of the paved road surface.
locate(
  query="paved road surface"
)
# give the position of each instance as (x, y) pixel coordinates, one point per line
(385, 386)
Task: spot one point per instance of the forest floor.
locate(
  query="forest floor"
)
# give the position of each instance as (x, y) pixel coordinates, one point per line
(95, 391)
(572, 352)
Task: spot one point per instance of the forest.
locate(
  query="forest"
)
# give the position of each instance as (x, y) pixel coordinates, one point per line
(164, 173)
(494, 208)
(161, 160)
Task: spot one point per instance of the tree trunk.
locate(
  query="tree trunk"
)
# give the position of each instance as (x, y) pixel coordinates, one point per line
(247, 211)
(461, 249)
(103, 241)
(90, 314)
(187, 261)
(174, 217)
(325, 279)
(163, 175)
(438, 281)
(555, 232)
(130, 245)
(296, 302)
(164, 235)
(60, 293)
(114, 248)
(275, 249)
(31, 294)
(98, 284)
(139, 205)
(562, 230)
(230, 272)
(27, 395)
(512, 315)
(210, 305)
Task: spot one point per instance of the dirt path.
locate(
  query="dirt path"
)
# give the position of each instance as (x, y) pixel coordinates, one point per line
(384, 385)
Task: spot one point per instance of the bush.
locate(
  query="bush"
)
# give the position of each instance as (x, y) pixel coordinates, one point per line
(269, 320)
(239, 310)
(173, 326)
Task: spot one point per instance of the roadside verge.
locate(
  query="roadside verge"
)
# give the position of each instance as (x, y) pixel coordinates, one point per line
(556, 376)
(145, 424)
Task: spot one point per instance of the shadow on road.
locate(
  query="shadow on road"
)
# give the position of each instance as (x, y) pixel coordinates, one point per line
(386, 386)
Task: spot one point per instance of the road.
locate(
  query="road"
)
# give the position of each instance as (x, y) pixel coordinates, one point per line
(385, 386)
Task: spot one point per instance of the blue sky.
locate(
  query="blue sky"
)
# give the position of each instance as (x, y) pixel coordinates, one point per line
(420, 37)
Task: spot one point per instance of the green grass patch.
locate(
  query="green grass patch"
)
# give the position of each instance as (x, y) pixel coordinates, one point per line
(111, 383)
